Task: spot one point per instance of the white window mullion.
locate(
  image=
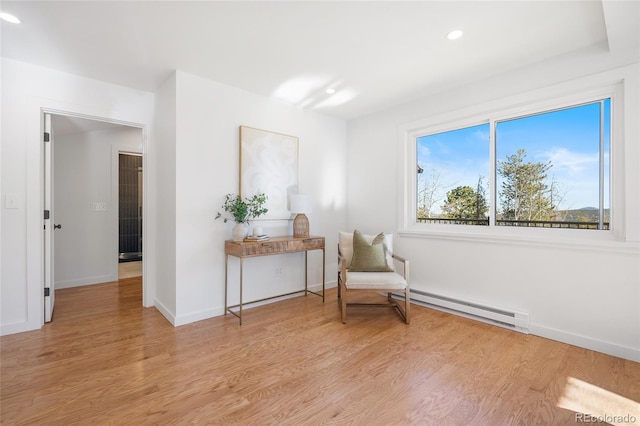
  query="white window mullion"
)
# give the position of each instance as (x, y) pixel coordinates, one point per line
(493, 189)
(602, 160)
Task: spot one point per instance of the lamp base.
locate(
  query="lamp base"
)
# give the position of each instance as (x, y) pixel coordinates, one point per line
(300, 226)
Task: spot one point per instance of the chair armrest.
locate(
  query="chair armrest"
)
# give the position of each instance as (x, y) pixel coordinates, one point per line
(342, 264)
(342, 274)
(405, 265)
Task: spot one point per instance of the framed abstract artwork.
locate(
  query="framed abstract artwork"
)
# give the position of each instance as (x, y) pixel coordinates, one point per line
(269, 164)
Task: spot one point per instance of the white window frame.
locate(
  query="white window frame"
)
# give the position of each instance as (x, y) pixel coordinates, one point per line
(514, 107)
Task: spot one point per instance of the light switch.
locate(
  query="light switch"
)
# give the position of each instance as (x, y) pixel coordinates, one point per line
(99, 206)
(10, 202)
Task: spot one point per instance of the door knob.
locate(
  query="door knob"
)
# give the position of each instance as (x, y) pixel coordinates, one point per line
(58, 226)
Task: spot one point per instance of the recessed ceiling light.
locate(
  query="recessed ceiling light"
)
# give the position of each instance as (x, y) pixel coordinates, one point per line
(330, 91)
(9, 18)
(454, 35)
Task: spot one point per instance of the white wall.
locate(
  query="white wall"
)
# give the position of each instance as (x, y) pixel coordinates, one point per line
(207, 167)
(85, 170)
(26, 91)
(165, 155)
(588, 296)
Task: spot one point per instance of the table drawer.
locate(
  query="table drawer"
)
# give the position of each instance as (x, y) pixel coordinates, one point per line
(264, 247)
(303, 244)
(257, 248)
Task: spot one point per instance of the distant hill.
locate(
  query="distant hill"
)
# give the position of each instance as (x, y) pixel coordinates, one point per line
(585, 214)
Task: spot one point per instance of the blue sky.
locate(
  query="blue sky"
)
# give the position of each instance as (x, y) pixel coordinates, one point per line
(568, 138)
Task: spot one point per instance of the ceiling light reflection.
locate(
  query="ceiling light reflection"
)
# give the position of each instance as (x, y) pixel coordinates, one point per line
(9, 18)
(311, 92)
(297, 90)
(338, 98)
(455, 34)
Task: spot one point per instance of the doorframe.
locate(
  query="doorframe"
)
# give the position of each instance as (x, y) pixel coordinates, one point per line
(147, 265)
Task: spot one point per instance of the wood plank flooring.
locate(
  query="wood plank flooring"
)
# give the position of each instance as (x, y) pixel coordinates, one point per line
(106, 360)
(129, 270)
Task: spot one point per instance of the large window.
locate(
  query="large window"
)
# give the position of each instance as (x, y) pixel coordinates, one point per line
(550, 170)
(453, 176)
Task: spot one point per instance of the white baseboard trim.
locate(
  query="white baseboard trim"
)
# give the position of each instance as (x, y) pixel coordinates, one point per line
(18, 327)
(100, 279)
(318, 287)
(197, 316)
(179, 320)
(170, 316)
(608, 348)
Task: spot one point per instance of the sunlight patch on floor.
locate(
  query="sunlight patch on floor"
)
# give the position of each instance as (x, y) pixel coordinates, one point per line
(595, 404)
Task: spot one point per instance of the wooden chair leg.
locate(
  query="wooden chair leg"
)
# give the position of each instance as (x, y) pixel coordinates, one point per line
(407, 304)
(343, 303)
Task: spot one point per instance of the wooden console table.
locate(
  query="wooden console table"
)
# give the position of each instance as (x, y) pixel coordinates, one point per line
(275, 245)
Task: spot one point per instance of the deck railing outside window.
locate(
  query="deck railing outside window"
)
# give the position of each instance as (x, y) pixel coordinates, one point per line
(518, 223)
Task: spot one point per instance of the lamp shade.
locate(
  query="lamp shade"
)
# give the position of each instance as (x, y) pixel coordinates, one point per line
(300, 203)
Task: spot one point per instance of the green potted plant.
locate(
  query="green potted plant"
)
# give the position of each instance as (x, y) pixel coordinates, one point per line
(241, 210)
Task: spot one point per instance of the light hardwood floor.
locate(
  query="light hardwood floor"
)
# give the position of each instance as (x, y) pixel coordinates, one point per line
(129, 270)
(106, 360)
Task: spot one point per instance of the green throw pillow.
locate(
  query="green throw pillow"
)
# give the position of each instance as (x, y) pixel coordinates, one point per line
(369, 257)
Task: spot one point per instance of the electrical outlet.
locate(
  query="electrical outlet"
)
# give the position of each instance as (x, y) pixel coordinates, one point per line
(278, 271)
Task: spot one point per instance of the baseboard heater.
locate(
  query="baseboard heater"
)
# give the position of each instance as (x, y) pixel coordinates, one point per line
(517, 321)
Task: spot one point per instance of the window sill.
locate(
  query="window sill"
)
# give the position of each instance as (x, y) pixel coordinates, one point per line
(572, 239)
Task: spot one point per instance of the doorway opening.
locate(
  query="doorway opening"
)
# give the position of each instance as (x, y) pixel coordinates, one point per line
(130, 207)
(85, 176)
(130, 214)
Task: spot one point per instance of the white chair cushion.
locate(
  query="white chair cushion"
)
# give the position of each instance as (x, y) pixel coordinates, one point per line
(375, 281)
(345, 241)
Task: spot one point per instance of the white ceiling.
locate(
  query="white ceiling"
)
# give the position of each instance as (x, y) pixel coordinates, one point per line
(375, 54)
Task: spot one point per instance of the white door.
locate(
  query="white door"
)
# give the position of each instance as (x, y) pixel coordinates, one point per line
(49, 290)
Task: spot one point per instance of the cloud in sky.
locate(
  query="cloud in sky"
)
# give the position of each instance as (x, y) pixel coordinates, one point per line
(577, 175)
(572, 163)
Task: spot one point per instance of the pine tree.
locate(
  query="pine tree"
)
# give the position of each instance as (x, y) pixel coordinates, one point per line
(525, 193)
(464, 202)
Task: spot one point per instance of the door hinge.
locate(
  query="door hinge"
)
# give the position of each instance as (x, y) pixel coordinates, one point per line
(47, 291)
(47, 136)
(47, 214)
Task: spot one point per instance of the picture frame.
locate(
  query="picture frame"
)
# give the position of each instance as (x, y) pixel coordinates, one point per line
(269, 165)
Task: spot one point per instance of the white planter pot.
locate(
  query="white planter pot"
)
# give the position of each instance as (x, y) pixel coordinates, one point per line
(240, 231)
